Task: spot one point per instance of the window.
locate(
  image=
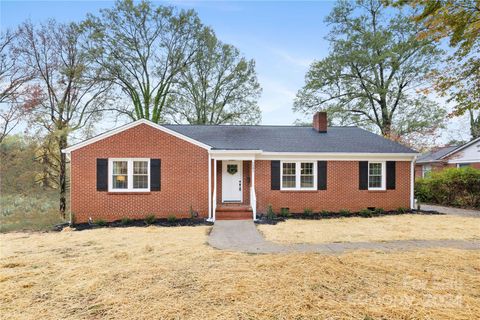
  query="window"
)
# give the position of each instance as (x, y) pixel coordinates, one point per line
(306, 175)
(463, 165)
(129, 175)
(426, 169)
(376, 176)
(298, 175)
(289, 176)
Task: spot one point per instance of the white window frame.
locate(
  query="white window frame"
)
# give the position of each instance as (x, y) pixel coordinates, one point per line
(129, 175)
(298, 167)
(426, 168)
(384, 175)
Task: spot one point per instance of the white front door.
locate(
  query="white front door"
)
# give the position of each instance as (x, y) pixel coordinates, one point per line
(232, 182)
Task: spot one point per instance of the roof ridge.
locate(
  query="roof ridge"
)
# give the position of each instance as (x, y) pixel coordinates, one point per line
(250, 125)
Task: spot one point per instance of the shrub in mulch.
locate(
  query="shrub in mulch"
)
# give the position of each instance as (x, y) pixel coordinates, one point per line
(124, 223)
(366, 213)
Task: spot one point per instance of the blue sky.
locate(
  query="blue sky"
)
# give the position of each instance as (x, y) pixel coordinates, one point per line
(283, 38)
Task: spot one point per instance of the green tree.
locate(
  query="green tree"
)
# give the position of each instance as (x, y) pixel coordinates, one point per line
(459, 76)
(371, 75)
(66, 93)
(142, 48)
(219, 87)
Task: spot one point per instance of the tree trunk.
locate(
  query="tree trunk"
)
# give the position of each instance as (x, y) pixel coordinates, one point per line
(62, 143)
(474, 124)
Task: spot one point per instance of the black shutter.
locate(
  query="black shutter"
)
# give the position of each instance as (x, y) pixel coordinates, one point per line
(391, 175)
(102, 174)
(363, 175)
(321, 175)
(155, 174)
(275, 171)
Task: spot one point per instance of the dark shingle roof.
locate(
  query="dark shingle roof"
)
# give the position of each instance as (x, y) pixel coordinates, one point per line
(435, 155)
(289, 139)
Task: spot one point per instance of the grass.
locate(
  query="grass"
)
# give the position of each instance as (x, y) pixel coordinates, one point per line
(170, 273)
(387, 228)
(33, 212)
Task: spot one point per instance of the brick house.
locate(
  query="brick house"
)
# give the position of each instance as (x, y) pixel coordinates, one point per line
(229, 171)
(466, 155)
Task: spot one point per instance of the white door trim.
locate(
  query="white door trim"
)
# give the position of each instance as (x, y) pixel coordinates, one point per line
(226, 196)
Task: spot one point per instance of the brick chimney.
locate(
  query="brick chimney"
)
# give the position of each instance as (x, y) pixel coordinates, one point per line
(320, 122)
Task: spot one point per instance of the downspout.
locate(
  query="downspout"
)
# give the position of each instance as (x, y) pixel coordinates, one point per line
(70, 222)
(412, 183)
(209, 186)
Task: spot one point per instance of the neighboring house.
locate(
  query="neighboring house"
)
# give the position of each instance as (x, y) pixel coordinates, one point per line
(467, 155)
(229, 171)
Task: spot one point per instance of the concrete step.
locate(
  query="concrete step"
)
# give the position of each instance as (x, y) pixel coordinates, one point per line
(233, 215)
(234, 208)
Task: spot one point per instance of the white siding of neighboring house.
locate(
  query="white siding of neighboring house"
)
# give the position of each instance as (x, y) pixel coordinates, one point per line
(468, 155)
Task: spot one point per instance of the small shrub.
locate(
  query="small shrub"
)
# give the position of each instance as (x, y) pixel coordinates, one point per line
(101, 222)
(402, 210)
(193, 214)
(365, 213)
(379, 211)
(150, 219)
(324, 213)
(125, 221)
(285, 212)
(308, 212)
(270, 214)
(345, 212)
(171, 218)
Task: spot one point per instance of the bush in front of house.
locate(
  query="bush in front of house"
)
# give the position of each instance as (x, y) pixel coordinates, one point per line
(451, 187)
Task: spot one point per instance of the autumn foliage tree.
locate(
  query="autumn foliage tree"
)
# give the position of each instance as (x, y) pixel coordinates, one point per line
(458, 79)
(67, 93)
(373, 72)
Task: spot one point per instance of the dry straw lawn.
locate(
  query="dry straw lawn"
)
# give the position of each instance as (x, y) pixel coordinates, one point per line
(170, 273)
(406, 227)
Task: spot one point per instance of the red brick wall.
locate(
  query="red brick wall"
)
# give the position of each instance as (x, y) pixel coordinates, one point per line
(184, 179)
(342, 190)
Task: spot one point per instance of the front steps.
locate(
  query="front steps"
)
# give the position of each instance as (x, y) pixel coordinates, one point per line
(234, 212)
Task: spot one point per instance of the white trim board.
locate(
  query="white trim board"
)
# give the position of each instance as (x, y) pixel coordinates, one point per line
(132, 125)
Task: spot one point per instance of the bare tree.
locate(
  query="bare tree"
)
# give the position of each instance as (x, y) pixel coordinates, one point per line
(142, 48)
(12, 80)
(69, 93)
(219, 87)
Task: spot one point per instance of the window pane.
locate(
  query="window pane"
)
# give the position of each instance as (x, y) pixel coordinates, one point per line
(140, 182)
(375, 168)
(120, 182)
(375, 182)
(140, 167)
(289, 168)
(306, 181)
(288, 181)
(307, 168)
(120, 167)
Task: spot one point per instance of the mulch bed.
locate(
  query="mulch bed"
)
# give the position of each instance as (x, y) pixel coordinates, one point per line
(263, 219)
(137, 223)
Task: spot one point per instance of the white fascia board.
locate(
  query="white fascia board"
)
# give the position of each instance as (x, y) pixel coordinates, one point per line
(340, 156)
(464, 161)
(131, 125)
(234, 154)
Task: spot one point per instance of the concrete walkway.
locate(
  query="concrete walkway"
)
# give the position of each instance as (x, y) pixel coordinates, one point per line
(243, 236)
(452, 211)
